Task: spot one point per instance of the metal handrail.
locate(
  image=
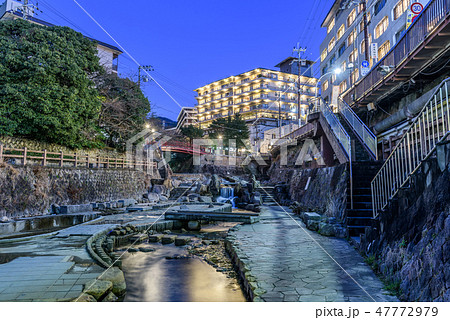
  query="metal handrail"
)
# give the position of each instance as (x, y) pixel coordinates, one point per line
(429, 128)
(362, 131)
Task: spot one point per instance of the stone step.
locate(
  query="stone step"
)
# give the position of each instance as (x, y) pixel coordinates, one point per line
(155, 237)
(167, 239)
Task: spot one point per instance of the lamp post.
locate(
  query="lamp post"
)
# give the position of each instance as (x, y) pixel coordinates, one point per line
(335, 71)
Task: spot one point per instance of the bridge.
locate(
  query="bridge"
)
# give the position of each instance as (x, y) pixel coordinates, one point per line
(181, 147)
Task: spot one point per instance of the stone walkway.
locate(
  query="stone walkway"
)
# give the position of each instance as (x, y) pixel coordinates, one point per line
(288, 265)
(52, 267)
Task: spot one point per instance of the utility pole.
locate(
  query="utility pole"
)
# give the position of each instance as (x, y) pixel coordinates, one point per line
(298, 50)
(366, 32)
(144, 78)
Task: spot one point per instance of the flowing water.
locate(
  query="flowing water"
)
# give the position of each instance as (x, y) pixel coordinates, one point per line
(151, 277)
(227, 196)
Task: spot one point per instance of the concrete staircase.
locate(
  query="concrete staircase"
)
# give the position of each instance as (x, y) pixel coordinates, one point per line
(361, 216)
(267, 194)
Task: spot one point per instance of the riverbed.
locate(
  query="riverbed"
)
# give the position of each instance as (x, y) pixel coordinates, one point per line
(151, 277)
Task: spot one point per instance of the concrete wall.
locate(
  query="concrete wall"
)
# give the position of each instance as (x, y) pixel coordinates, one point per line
(411, 244)
(31, 190)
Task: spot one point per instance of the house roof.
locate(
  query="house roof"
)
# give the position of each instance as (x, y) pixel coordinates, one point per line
(290, 59)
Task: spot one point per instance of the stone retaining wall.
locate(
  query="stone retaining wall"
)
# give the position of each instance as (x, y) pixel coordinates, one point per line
(31, 190)
(322, 190)
(410, 246)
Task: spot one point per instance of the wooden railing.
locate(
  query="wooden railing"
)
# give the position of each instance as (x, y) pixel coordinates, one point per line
(60, 159)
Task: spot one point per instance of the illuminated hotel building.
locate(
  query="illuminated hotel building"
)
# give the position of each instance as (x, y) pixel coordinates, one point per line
(264, 98)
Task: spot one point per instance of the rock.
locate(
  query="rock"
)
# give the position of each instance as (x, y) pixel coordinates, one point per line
(167, 239)
(146, 249)
(215, 185)
(98, 288)
(181, 241)
(111, 297)
(159, 189)
(84, 297)
(163, 198)
(193, 197)
(204, 189)
(250, 207)
(166, 232)
(5, 219)
(138, 238)
(155, 237)
(55, 209)
(183, 230)
(153, 197)
(184, 207)
(312, 225)
(194, 225)
(326, 229)
(133, 250)
(116, 277)
(205, 199)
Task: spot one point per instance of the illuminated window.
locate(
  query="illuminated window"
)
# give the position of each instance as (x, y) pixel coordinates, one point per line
(330, 26)
(381, 27)
(324, 54)
(361, 24)
(355, 75)
(363, 44)
(351, 18)
(325, 85)
(353, 56)
(400, 8)
(351, 38)
(343, 66)
(383, 49)
(331, 44)
(340, 32)
(343, 86)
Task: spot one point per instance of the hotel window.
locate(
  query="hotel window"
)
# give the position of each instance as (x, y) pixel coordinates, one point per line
(341, 50)
(383, 49)
(363, 45)
(400, 8)
(331, 44)
(330, 26)
(343, 86)
(324, 54)
(351, 18)
(325, 85)
(352, 57)
(381, 27)
(400, 33)
(340, 32)
(351, 38)
(355, 75)
(343, 66)
(378, 6)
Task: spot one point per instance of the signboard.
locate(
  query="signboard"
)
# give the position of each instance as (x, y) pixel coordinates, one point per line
(365, 68)
(374, 50)
(409, 18)
(416, 8)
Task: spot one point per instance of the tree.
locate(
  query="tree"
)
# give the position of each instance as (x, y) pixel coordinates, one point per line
(123, 111)
(230, 128)
(46, 91)
(192, 132)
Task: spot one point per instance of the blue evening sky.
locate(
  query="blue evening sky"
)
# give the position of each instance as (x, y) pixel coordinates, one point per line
(192, 43)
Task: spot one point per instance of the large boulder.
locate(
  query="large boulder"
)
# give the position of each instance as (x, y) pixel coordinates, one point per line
(98, 288)
(159, 189)
(84, 297)
(116, 277)
(205, 199)
(153, 197)
(214, 186)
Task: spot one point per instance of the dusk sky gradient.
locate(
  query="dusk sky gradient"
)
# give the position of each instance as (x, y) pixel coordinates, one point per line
(193, 43)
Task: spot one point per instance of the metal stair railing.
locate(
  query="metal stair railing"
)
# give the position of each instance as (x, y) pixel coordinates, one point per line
(361, 130)
(430, 127)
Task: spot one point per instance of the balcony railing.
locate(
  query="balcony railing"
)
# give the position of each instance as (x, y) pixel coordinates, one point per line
(432, 15)
(430, 127)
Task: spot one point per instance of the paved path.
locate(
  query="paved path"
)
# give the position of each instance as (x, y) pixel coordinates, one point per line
(52, 267)
(290, 266)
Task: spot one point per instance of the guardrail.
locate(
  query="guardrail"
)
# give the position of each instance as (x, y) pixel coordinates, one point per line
(432, 15)
(60, 159)
(428, 129)
(362, 131)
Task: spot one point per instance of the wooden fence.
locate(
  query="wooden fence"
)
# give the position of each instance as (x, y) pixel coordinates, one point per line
(61, 159)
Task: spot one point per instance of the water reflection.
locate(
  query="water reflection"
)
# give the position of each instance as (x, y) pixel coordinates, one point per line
(151, 277)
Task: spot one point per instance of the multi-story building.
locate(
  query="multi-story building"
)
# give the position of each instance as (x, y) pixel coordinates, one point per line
(263, 97)
(108, 54)
(344, 48)
(272, 135)
(186, 117)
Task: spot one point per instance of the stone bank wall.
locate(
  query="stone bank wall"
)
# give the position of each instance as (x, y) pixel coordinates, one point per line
(31, 190)
(411, 244)
(322, 190)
